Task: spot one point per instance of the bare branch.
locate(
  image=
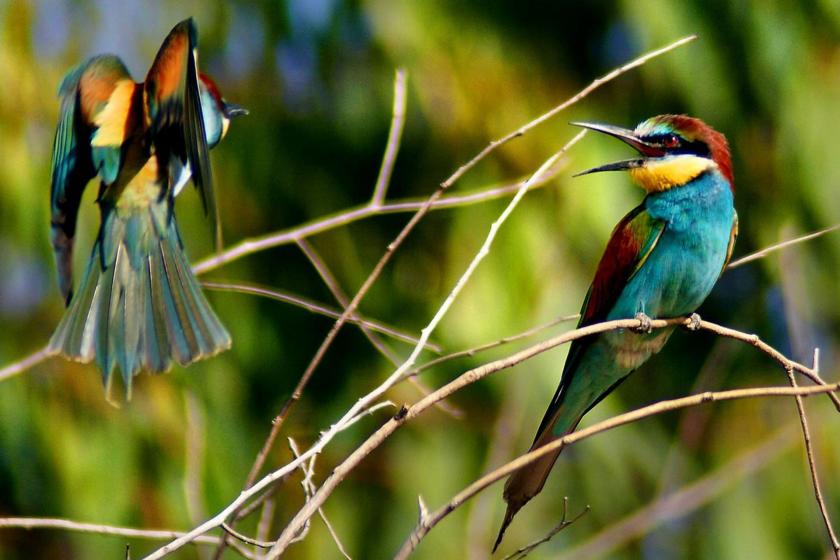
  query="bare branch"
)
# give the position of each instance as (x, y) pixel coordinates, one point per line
(812, 465)
(24, 364)
(670, 507)
(506, 340)
(244, 538)
(97, 529)
(394, 137)
(314, 307)
(526, 550)
(778, 246)
(657, 408)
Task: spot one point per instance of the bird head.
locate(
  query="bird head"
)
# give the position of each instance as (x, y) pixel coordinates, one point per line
(216, 111)
(673, 150)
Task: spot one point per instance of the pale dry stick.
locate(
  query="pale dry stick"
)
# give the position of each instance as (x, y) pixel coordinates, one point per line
(645, 412)
(812, 464)
(673, 506)
(426, 332)
(341, 471)
(266, 517)
(811, 373)
(470, 352)
(30, 523)
(309, 489)
(244, 538)
(314, 307)
(778, 246)
(392, 146)
(527, 549)
(24, 364)
(354, 214)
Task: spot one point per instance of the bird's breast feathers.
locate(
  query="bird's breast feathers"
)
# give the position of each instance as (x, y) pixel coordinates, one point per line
(661, 174)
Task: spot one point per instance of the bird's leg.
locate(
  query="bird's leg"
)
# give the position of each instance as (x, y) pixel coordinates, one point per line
(693, 322)
(644, 323)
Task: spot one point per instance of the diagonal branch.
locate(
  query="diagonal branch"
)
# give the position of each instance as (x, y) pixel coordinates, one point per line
(645, 412)
(778, 246)
(812, 465)
(313, 307)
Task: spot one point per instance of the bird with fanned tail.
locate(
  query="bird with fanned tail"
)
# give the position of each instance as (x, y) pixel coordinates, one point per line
(662, 260)
(138, 305)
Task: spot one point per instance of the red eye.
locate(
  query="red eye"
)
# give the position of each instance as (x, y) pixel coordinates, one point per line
(671, 141)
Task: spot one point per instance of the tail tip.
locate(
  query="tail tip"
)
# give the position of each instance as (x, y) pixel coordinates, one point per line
(511, 511)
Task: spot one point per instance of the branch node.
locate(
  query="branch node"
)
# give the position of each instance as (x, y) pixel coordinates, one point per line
(693, 323)
(401, 413)
(645, 325)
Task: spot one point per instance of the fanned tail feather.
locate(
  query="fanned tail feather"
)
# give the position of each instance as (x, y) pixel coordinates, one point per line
(138, 306)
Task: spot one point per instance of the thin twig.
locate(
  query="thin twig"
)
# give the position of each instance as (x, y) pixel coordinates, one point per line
(309, 489)
(314, 307)
(657, 408)
(506, 340)
(97, 529)
(244, 538)
(24, 364)
(778, 246)
(394, 136)
(671, 507)
(812, 464)
(527, 549)
(354, 214)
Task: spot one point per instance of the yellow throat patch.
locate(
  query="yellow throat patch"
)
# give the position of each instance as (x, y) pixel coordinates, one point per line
(661, 175)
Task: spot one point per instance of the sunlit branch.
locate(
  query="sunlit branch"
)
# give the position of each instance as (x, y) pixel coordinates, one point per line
(671, 507)
(622, 419)
(779, 246)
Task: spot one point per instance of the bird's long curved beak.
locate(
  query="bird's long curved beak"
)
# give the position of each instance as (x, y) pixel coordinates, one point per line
(646, 149)
(233, 110)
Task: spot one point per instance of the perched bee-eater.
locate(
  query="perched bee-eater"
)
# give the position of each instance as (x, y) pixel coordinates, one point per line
(138, 304)
(662, 260)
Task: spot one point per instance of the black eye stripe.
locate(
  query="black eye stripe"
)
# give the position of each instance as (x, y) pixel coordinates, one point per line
(695, 147)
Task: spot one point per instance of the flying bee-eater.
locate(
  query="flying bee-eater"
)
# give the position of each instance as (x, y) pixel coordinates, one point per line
(662, 260)
(138, 305)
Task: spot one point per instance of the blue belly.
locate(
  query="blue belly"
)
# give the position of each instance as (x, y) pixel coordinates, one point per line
(688, 258)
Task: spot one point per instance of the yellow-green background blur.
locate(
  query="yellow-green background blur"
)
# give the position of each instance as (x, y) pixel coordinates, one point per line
(317, 76)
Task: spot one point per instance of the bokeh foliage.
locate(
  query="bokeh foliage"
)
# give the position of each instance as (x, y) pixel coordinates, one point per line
(317, 77)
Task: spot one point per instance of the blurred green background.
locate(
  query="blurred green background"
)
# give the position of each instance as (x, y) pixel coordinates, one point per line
(317, 76)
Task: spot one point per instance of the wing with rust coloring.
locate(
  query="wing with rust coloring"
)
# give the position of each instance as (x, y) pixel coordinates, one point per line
(173, 105)
(87, 142)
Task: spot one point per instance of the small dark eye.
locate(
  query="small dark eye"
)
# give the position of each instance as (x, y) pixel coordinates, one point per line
(671, 141)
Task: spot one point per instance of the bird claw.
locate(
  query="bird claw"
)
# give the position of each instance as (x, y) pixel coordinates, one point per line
(644, 323)
(693, 322)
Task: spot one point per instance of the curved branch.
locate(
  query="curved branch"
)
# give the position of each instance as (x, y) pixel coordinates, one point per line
(657, 408)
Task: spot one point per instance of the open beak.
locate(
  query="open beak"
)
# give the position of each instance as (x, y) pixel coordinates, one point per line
(646, 149)
(231, 110)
